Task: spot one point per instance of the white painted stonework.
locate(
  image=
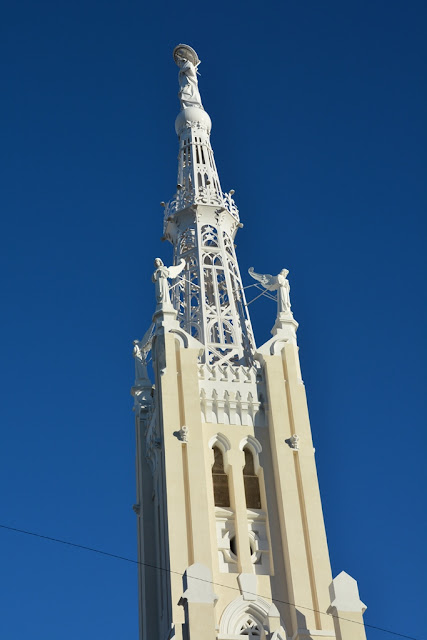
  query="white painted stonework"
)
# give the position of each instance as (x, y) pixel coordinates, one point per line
(232, 395)
(231, 538)
(243, 618)
(345, 594)
(225, 532)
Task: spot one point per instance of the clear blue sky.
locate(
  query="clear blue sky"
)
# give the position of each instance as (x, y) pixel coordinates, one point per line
(317, 124)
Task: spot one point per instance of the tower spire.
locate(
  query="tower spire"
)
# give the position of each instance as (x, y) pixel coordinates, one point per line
(231, 538)
(201, 222)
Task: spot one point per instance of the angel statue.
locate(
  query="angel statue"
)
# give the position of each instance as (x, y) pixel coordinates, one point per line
(141, 349)
(140, 361)
(188, 61)
(279, 283)
(160, 279)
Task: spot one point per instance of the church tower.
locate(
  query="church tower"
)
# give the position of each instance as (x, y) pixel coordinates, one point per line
(231, 538)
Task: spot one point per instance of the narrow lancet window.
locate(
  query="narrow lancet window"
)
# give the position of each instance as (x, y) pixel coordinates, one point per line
(251, 482)
(220, 480)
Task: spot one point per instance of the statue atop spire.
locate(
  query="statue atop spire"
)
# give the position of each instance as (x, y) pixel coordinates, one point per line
(201, 222)
(188, 61)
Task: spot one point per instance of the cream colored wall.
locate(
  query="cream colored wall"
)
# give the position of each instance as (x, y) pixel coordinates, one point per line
(303, 533)
(298, 552)
(349, 626)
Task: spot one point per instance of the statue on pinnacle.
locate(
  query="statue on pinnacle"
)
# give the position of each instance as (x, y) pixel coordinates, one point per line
(285, 325)
(160, 279)
(279, 283)
(188, 61)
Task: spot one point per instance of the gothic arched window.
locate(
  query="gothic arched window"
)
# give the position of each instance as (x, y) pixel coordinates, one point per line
(251, 481)
(220, 480)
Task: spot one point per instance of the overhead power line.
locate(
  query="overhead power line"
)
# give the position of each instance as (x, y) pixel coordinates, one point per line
(218, 584)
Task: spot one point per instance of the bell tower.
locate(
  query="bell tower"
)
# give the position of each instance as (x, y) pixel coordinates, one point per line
(231, 538)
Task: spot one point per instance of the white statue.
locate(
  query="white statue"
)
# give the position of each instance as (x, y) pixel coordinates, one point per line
(160, 279)
(140, 356)
(279, 283)
(141, 349)
(187, 60)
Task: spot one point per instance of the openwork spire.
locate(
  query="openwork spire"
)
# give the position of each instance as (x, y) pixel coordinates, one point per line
(201, 222)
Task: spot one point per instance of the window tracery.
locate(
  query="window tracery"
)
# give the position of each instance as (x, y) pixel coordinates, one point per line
(250, 627)
(209, 236)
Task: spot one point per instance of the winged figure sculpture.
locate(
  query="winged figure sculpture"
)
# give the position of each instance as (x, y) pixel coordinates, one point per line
(160, 279)
(278, 283)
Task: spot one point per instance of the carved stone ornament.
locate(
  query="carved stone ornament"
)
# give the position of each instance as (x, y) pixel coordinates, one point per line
(232, 395)
(197, 124)
(243, 618)
(183, 433)
(293, 441)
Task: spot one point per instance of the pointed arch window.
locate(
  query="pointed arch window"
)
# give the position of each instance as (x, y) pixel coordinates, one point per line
(220, 480)
(251, 481)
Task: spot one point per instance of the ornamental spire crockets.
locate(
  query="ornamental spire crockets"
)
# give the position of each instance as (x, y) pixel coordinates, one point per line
(201, 222)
